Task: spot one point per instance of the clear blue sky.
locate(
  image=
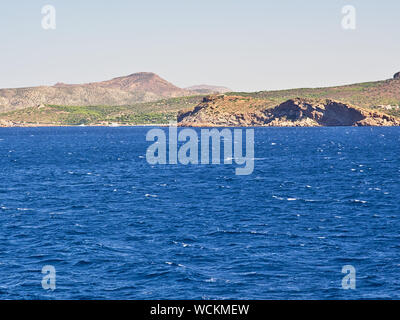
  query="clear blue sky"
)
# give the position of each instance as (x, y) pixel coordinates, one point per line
(243, 44)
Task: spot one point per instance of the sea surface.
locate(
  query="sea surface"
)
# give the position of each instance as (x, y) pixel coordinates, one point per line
(85, 201)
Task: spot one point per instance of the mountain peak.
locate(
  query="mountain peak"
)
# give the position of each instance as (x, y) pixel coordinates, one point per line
(143, 82)
(143, 73)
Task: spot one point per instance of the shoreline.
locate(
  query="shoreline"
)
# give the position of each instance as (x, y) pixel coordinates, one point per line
(52, 125)
(179, 126)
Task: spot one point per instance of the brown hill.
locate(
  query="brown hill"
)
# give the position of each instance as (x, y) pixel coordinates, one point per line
(137, 87)
(245, 111)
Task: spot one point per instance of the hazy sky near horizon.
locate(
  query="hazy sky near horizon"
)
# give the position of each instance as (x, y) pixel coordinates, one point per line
(247, 45)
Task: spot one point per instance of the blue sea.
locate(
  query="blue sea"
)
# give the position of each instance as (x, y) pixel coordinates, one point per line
(85, 201)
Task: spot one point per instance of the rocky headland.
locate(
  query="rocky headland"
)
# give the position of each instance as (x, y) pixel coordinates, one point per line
(221, 110)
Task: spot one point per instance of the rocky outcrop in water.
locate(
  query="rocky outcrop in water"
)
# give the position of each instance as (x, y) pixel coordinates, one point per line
(242, 111)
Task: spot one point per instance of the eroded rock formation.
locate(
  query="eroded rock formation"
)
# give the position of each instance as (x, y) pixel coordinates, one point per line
(241, 111)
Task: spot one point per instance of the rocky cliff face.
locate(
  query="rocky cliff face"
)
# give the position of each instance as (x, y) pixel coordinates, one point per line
(397, 76)
(221, 110)
(326, 113)
(137, 87)
(241, 111)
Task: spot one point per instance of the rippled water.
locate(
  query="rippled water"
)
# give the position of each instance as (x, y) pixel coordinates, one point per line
(86, 201)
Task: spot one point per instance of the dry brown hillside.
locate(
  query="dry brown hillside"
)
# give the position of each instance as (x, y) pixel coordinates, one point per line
(137, 87)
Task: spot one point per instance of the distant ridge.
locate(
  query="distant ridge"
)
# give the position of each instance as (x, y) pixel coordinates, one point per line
(134, 88)
(136, 82)
(207, 89)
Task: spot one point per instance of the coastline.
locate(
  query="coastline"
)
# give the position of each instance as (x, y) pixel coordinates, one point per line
(52, 125)
(49, 125)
